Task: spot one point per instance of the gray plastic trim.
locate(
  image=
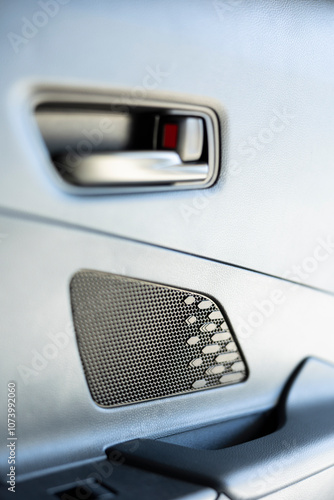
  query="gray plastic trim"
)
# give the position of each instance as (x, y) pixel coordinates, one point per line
(203, 175)
(58, 420)
(301, 447)
(265, 68)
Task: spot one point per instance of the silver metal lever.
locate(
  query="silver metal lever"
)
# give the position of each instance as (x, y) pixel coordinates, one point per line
(133, 168)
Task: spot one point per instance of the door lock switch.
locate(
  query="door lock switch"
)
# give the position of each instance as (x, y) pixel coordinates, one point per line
(185, 135)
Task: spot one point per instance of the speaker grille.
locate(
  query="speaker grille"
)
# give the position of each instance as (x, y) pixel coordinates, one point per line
(140, 341)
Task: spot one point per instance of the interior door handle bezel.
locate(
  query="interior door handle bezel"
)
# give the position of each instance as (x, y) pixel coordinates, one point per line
(299, 448)
(174, 176)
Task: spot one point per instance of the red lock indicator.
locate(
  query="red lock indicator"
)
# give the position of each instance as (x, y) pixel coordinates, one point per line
(169, 136)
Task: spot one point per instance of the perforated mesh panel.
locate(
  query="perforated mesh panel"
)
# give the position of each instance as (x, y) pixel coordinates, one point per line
(140, 341)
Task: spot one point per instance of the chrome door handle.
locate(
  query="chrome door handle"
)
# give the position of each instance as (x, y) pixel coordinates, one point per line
(102, 149)
(130, 168)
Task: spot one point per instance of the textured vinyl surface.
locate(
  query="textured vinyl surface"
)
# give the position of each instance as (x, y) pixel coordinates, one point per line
(140, 341)
(265, 67)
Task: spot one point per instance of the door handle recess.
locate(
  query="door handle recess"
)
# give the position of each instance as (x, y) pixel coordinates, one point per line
(299, 448)
(132, 168)
(105, 149)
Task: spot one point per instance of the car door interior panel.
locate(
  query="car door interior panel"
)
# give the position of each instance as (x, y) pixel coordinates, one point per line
(167, 249)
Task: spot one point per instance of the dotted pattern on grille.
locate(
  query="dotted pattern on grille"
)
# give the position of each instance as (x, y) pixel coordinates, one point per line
(140, 341)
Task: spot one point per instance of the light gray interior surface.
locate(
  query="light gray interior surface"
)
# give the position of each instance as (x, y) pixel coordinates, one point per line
(57, 419)
(252, 241)
(256, 60)
(318, 486)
